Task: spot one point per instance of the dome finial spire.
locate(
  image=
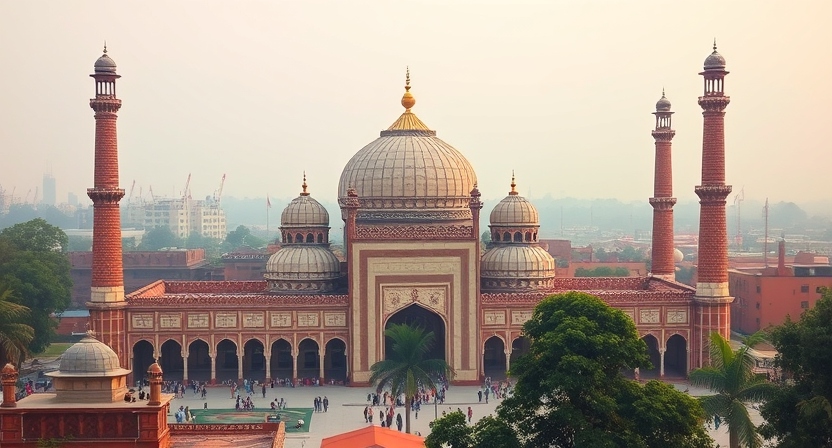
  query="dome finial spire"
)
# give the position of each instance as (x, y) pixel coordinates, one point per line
(407, 99)
(105, 47)
(663, 93)
(714, 43)
(304, 192)
(513, 191)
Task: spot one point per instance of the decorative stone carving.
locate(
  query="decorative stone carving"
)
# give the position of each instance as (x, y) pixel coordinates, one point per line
(225, 320)
(649, 316)
(335, 319)
(411, 232)
(198, 320)
(520, 317)
(395, 298)
(253, 320)
(307, 319)
(170, 320)
(495, 318)
(677, 317)
(142, 321)
(630, 313)
(410, 267)
(281, 319)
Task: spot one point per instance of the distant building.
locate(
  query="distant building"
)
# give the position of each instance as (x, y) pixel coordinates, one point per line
(72, 199)
(184, 217)
(764, 296)
(140, 268)
(49, 192)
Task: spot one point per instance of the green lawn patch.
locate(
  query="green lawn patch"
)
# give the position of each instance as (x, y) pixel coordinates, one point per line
(289, 416)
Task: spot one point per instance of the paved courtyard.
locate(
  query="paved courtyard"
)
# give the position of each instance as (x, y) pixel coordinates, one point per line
(346, 407)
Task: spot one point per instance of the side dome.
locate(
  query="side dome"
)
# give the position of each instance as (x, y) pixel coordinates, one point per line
(90, 358)
(517, 267)
(105, 64)
(303, 269)
(514, 211)
(663, 105)
(304, 211)
(409, 168)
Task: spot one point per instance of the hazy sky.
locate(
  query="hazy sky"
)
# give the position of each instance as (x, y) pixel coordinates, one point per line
(560, 91)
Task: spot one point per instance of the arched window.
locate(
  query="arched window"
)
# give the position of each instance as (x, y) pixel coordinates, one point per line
(496, 236)
(528, 237)
(320, 238)
(299, 238)
(287, 238)
(518, 237)
(534, 236)
(310, 238)
(506, 236)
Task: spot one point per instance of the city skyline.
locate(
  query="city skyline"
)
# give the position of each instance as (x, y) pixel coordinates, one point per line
(561, 93)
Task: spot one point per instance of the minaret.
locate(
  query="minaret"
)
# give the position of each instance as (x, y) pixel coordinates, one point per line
(106, 305)
(713, 303)
(663, 200)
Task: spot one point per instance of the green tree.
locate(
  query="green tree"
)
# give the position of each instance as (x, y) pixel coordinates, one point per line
(800, 412)
(15, 335)
(241, 236)
(449, 430)
(570, 388)
(36, 235)
(33, 267)
(731, 376)
(159, 237)
(405, 370)
(489, 432)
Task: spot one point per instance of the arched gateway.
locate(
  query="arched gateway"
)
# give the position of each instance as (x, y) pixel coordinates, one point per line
(429, 321)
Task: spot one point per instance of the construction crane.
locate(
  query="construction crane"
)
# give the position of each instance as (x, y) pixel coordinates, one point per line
(185, 193)
(218, 197)
(35, 198)
(738, 198)
(130, 196)
(152, 198)
(26, 199)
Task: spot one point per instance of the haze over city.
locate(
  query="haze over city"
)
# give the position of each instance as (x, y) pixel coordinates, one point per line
(561, 92)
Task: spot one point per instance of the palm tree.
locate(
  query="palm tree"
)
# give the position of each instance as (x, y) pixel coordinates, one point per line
(406, 370)
(731, 376)
(15, 335)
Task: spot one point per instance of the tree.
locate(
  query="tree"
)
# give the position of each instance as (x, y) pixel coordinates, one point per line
(406, 370)
(570, 388)
(36, 235)
(800, 414)
(32, 266)
(241, 236)
(453, 431)
(15, 335)
(731, 376)
(159, 237)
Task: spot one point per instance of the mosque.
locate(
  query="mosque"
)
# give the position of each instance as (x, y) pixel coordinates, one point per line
(411, 208)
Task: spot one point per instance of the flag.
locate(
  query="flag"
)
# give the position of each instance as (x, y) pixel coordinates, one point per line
(268, 202)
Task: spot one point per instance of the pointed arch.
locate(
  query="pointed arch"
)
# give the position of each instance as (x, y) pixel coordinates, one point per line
(143, 357)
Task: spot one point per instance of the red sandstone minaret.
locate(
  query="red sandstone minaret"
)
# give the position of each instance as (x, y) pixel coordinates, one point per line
(107, 293)
(663, 200)
(713, 302)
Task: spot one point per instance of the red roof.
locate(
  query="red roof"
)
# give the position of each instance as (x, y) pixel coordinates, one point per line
(373, 437)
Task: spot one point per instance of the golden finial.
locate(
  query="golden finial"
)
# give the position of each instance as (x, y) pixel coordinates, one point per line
(513, 191)
(714, 43)
(662, 92)
(407, 99)
(105, 47)
(304, 193)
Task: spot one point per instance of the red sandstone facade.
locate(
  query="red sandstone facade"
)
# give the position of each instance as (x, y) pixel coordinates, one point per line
(412, 252)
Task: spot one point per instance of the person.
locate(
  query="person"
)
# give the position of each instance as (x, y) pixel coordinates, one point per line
(264, 390)
(273, 406)
(366, 408)
(479, 395)
(300, 424)
(470, 414)
(188, 415)
(486, 395)
(326, 403)
(399, 421)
